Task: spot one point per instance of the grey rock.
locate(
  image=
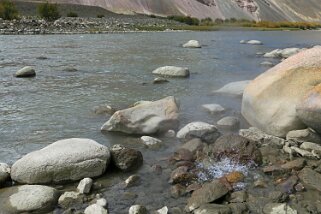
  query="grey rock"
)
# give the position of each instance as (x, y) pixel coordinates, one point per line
(238, 197)
(192, 145)
(104, 109)
(159, 80)
(267, 63)
(257, 135)
(172, 71)
(243, 42)
(192, 44)
(84, 185)
(132, 180)
(304, 135)
(151, 141)
(65, 160)
(229, 122)
(209, 192)
(163, 210)
(142, 102)
(278, 208)
(311, 178)
(239, 208)
(213, 108)
(204, 131)
(311, 146)
(126, 159)
(95, 209)
(145, 119)
(137, 209)
(28, 198)
(69, 199)
(233, 88)
(213, 209)
(282, 53)
(254, 42)
(27, 71)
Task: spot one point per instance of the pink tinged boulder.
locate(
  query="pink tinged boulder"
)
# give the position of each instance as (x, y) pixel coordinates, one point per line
(309, 109)
(65, 160)
(270, 101)
(150, 118)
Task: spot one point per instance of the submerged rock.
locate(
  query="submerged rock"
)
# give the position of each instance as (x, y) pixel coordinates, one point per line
(150, 118)
(257, 135)
(65, 160)
(126, 159)
(69, 199)
(213, 108)
(233, 88)
(311, 178)
(270, 101)
(172, 71)
(27, 71)
(213, 209)
(137, 209)
(159, 80)
(104, 109)
(282, 53)
(278, 208)
(192, 44)
(28, 198)
(151, 141)
(229, 122)
(209, 192)
(204, 131)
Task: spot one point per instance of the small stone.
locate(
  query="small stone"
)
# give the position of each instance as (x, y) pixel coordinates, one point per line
(234, 177)
(104, 109)
(132, 180)
(311, 178)
(254, 42)
(160, 80)
(95, 209)
(137, 209)
(70, 69)
(304, 135)
(213, 108)
(204, 131)
(170, 133)
(70, 198)
(150, 141)
(84, 185)
(192, 44)
(157, 169)
(260, 183)
(238, 208)
(277, 196)
(266, 63)
(26, 72)
(102, 202)
(229, 122)
(163, 210)
(181, 175)
(126, 159)
(213, 209)
(172, 71)
(299, 187)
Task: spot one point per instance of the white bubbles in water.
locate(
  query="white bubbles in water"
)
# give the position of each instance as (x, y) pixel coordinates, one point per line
(213, 170)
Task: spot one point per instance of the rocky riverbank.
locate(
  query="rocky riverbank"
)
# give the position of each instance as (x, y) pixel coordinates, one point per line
(212, 168)
(71, 25)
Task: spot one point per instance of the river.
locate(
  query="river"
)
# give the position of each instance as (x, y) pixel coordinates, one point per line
(115, 69)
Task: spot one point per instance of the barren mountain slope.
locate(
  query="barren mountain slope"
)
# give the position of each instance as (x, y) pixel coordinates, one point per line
(276, 10)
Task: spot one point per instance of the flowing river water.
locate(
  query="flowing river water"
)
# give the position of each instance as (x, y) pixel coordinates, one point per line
(115, 69)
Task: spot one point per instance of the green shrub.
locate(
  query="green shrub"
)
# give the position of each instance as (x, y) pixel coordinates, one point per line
(100, 16)
(207, 21)
(48, 11)
(8, 10)
(152, 16)
(72, 14)
(185, 19)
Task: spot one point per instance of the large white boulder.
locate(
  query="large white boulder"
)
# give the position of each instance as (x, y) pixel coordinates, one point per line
(172, 71)
(28, 199)
(192, 44)
(145, 119)
(270, 101)
(65, 160)
(282, 53)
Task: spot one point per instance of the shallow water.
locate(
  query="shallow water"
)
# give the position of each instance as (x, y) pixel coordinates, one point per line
(112, 69)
